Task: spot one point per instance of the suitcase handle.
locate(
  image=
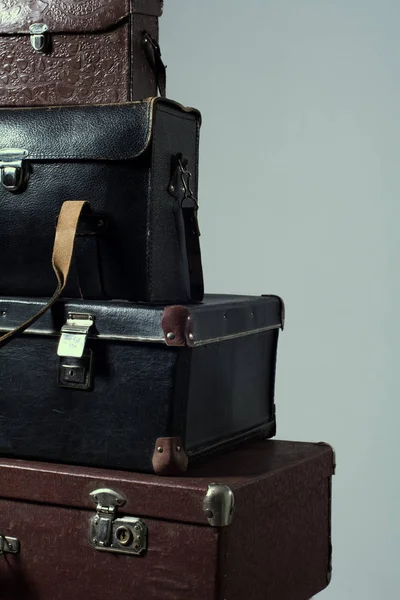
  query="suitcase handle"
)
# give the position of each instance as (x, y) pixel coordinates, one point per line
(63, 250)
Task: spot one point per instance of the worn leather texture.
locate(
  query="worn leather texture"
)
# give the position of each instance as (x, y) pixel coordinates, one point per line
(95, 52)
(117, 157)
(211, 396)
(278, 545)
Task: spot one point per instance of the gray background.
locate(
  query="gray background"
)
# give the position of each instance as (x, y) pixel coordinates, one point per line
(299, 197)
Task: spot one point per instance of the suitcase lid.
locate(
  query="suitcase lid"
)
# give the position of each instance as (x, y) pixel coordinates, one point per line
(72, 16)
(263, 473)
(218, 318)
(117, 131)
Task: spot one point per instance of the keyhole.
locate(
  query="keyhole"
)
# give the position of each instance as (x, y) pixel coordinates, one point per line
(124, 536)
(71, 373)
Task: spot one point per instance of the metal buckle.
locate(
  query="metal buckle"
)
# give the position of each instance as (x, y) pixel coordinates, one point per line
(14, 173)
(39, 36)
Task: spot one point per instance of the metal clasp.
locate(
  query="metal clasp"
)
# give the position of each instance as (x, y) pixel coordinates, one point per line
(39, 36)
(126, 535)
(76, 362)
(14, 172)
(74, 335)
(9, 545)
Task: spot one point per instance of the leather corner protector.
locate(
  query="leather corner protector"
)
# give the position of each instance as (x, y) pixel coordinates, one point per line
(169, 457)
(177, 326)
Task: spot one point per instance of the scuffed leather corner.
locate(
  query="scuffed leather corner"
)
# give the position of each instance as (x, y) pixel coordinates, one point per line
(177, 326)
(169, 457)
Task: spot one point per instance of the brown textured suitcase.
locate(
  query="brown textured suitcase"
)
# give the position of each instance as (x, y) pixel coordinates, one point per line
(254, 524)
(55, 52)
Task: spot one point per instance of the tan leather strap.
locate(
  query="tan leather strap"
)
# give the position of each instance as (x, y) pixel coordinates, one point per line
(62, 257)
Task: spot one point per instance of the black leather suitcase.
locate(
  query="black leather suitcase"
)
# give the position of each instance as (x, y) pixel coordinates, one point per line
(136, 387)
(136, 164)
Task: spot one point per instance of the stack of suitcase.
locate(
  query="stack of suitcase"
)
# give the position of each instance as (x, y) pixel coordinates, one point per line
(134, 409)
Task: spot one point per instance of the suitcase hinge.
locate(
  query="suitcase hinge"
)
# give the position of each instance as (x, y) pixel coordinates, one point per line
(39, 37)
(126, 535)
(76, 363)
(14, 172)
(219, 505)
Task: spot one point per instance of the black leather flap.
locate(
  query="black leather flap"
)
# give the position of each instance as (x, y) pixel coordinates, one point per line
(218, 318)
(72, 16)
(107, 132)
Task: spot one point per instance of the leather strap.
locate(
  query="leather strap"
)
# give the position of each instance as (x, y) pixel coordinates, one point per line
(61, 261)
(153, 53)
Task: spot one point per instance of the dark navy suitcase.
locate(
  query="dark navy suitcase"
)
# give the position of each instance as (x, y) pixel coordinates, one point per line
(137, 387)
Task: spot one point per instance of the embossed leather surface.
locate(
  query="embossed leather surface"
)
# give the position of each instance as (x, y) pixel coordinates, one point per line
(95, 55)
(278, 546)
(211, 397)
(118, 158)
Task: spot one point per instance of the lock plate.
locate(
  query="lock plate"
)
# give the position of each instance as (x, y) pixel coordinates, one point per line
(107, 533)
(76, 373)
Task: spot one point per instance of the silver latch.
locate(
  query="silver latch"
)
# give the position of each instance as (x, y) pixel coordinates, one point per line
(127, 535)
(76, 362)
(74, 335)
(39, 36)
(219, 505)
(9, 545)
(14, 172)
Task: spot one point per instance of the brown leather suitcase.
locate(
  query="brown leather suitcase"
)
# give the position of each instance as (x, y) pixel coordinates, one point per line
(251, 525)
(55, 52)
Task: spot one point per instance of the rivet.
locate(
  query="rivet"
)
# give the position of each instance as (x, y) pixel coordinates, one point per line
(171, 188)
(100, 223)
(252, 314)
(171, 336)
(225, 316)
(160, 449)
(137, 527)
(178, 448)
(191, 336)
(4, 313)
(209, 514)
